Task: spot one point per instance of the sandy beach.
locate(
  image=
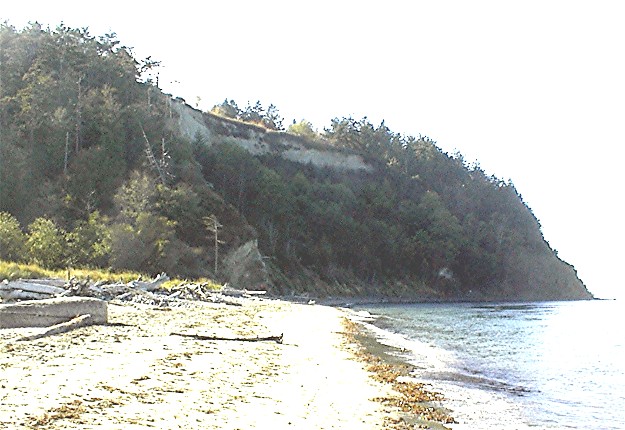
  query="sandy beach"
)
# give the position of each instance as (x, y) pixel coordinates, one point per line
(138, 372)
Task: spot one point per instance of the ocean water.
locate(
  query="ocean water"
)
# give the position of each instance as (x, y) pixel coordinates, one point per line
(548, 365)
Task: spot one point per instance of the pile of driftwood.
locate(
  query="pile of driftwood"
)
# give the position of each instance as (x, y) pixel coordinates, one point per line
(37, 289)
(63, 306)
(29, 289)
(115, 290)
(149, 292)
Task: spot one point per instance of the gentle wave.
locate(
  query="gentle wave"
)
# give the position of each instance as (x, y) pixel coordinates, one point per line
(522, 365)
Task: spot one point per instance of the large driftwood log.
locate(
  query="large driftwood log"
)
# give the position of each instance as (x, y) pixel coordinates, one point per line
(27, 290)
(10, 295)
(277, 339)
(33, 287)
(52, 282)
(47, 312)
(74, 323)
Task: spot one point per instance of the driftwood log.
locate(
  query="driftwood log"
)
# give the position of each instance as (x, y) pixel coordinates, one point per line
(47, 312)
(27, 290)
(33, 286)
(9, 295)
(152, 285)
(277, 339)
(74, 323)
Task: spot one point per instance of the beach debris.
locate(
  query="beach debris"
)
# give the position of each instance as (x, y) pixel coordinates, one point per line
(107, 291)
(64, 327)
(152, 285)
(277, 339)
(27, 290)
(150, 292)
(233, 292)
(48, 312)
(420, 404)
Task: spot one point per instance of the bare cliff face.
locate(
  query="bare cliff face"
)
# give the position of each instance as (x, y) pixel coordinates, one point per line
(259, 141)
(244, 267)
(243, 264)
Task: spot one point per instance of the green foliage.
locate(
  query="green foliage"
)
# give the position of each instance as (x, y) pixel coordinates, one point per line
(303, 128)
(12, 240)
(228, 109)
(255, 114)
(183, 206)
(136, 196)
(78, 114)
(89, 244)
(143, 245)
(70, 109)
(46, 244)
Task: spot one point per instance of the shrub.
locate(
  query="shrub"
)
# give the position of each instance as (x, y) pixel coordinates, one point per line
(12, 239)
(46, 244)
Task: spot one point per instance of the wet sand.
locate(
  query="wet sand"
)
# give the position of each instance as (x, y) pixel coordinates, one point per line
(134, 373)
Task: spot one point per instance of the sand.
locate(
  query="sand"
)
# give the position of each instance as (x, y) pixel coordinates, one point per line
(133, 373)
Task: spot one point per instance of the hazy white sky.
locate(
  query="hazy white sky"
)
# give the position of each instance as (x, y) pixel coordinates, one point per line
(532, 90)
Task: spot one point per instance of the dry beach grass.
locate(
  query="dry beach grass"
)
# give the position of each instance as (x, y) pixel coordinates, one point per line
(133, 373)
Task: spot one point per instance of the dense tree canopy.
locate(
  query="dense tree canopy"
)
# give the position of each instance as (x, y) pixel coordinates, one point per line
(95, 172)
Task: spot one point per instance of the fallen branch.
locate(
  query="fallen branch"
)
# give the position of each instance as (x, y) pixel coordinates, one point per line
(277, 339)
(74, 323)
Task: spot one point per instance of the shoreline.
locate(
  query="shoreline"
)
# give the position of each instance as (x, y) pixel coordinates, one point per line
(419, 405)
(349, 302)
(135, 372)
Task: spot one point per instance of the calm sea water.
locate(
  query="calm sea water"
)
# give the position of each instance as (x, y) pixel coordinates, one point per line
(554, 365)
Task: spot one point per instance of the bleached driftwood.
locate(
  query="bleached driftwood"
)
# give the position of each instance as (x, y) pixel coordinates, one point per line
(64, 327)
(152, 285)
(277, 339)
(115, 290)
(8, 295)
(32, 287)
(53, 282)
(47, 312)
(27, 290)
(227, 291)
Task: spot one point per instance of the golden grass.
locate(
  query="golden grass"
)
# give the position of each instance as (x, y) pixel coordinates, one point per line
(100, 275)
(12, 271)
(204, 281)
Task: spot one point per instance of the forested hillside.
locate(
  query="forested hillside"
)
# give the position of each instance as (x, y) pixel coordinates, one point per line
(96, 169)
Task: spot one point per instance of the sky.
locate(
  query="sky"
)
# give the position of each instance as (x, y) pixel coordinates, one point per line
(534, 91)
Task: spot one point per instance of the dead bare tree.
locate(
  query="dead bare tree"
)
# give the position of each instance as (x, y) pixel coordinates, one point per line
(79, 116)
(66, 153)
(213, 225)
(159, 166)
